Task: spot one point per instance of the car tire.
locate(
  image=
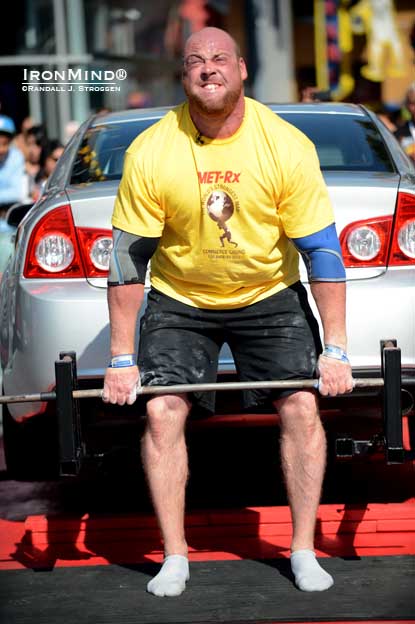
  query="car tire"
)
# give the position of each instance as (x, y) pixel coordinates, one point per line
(29, 448)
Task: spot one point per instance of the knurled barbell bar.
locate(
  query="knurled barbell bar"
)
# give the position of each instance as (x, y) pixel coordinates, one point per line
(300, 384)
(72, 448)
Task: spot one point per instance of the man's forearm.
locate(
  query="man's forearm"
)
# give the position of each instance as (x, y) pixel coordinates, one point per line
(330, 298)
(124, 303)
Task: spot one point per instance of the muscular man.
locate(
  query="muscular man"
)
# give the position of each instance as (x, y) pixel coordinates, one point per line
(205, 291)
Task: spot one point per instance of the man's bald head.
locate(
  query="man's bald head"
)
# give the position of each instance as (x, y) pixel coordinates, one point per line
(211, 36)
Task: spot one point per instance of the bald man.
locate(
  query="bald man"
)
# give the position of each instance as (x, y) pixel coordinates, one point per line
(243, 289)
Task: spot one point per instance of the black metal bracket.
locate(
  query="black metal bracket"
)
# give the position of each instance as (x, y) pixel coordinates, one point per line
(347, 447)
(391, 396)
(390, 440)
(71, 451)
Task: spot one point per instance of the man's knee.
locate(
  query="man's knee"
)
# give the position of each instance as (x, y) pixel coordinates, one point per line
(166, 415)
(299, 410)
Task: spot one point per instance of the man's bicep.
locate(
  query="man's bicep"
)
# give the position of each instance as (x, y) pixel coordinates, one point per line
(322, 255)
(129, 258)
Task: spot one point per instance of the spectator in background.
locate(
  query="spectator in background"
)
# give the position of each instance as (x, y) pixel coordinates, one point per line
(103, 110)
(412, 37)
(36, 141)
(53, 152)
(11, 167)
(138, 99)
(390, 116)
(50, 155)
(314, 94)
(406, 133)
(20, 140)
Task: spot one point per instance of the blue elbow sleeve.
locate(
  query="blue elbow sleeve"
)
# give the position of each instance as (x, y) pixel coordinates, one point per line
(322, 255)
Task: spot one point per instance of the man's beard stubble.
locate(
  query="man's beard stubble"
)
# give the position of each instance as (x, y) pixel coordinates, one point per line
(224, 105)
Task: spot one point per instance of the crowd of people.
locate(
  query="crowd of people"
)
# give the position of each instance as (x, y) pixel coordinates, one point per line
(27, 159)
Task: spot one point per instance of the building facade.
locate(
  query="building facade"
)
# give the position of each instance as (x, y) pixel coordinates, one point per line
(62, 60)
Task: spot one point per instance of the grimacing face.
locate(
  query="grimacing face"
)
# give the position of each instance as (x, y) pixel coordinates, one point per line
(213, 74)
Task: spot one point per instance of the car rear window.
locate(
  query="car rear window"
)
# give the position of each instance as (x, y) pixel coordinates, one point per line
(343, 143)
(101, 153)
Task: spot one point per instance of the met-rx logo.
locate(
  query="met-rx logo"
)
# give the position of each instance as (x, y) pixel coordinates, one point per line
(213, 177)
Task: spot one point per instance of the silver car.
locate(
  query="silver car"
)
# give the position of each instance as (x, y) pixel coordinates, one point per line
(53, 291)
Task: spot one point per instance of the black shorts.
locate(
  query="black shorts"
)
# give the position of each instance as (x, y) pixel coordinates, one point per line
(276, 338)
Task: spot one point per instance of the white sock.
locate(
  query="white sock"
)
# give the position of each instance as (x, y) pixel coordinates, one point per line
(309, 575)
(171, 580)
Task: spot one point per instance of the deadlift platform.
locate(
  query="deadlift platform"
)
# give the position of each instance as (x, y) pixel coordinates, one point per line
(78, 570)
(93, 568)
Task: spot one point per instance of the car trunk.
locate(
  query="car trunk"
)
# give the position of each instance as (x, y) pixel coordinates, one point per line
(358, 196)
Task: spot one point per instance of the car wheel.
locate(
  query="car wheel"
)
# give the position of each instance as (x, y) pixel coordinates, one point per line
(30, 449)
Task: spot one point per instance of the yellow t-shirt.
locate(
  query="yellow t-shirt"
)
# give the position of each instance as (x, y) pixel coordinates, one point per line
(223, 208)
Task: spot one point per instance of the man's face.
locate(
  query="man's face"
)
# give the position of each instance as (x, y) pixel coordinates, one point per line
(4, 146)
(213, 74)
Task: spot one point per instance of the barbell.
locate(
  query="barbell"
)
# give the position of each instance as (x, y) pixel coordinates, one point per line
(300, 384)
(72, 446)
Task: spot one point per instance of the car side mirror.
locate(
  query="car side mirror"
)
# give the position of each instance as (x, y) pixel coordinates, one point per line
(16, 213)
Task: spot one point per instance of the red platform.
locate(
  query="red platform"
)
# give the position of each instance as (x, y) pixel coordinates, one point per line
(250, 533)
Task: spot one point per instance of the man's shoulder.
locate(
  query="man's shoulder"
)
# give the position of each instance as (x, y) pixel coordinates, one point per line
(263, 112)
(157, 132)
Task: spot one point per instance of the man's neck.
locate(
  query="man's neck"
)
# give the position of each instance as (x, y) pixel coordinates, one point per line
(220, 127)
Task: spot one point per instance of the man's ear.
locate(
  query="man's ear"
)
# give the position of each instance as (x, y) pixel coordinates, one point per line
(242, 68)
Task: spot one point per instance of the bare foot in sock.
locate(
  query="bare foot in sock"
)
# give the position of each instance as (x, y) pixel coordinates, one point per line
(309, 575)
(171, 580)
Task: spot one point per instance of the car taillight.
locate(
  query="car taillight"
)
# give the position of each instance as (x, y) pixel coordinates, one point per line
(53, 248)
(58, 249)
(382, 241)
(54, 252)
(403, 244)
(366, 243)
(96, 246)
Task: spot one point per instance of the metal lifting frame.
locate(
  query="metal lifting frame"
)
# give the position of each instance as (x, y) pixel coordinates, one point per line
(391, 396)
(71, 447)
(391, 439)
(72, 450)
